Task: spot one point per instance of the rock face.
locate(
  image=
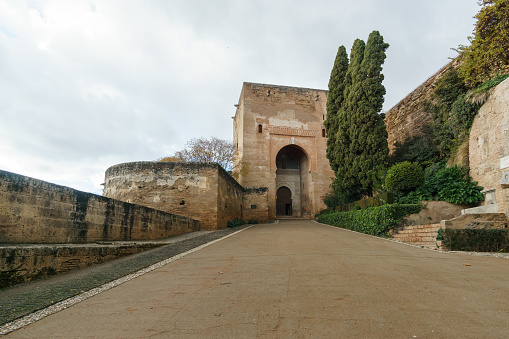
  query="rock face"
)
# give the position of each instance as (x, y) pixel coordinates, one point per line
(408, 117)
(280, 141)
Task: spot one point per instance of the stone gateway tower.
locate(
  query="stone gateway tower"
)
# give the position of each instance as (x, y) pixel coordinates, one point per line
(280, 143)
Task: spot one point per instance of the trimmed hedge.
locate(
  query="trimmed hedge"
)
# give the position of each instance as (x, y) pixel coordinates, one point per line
(373, 220)
(478, 240)
(382, 199)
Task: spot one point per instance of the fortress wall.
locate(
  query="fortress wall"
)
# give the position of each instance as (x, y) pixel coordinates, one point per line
(35, 211)
(255, 204)
(489, 147)
(408, 117)
(229, 199)
(202, 191)
(187, 189)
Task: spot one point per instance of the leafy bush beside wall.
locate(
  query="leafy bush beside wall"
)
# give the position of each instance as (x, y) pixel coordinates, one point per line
(382, 199)
(372, 220)
(451, 184)
(404, 177)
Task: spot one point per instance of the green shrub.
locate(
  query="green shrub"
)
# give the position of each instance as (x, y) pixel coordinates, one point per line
(382, 199)
(440, 234)
(463, 113)
(431, 171)
(479, 240)
(252, 222)
(451, 184)
(404, 177)
(462, 192)
(375, 220)
(416, 148)
(235, 223)
(340, 195)
(413, 197)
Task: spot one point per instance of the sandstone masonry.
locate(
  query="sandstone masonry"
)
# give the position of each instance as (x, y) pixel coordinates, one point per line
(280, 143)
(202, 191)
(37, 212)
(408, 117)
(489, 149)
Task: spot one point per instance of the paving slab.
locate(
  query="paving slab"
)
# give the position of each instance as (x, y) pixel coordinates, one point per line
(298, 279)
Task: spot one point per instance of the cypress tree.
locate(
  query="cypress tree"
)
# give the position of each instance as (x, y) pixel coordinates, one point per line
(334, 102)
(368, 135)
(361, 148)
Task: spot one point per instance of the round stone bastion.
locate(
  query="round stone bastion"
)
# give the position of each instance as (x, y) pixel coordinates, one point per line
(188, 189)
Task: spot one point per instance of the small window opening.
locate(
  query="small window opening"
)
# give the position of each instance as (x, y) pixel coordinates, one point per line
(260, 128)
(182, 203)
(253, 207)
(323, 117)
(323, 132)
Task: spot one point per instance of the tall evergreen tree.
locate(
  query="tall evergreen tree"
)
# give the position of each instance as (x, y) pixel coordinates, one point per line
(334, 102)
(345, 178)
(361, 141)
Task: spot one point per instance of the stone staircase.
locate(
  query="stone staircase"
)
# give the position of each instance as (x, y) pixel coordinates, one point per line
(420, 235)
(426, 235)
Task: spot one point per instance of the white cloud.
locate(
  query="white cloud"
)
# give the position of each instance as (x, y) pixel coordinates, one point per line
(88, 84)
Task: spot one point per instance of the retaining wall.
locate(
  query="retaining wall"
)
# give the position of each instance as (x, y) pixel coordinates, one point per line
(34, 211)
(23, 263)
(407, 117)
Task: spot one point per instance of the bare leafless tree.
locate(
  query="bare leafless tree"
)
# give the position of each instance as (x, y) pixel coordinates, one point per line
(206, 150)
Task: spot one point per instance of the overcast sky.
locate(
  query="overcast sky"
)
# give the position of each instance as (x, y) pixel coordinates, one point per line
(85, 85)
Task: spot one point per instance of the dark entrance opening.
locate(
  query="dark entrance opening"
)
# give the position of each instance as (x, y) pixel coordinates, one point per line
(284, 201)
(292, 173)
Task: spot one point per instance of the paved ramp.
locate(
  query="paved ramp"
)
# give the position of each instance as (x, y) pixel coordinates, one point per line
(299, 279)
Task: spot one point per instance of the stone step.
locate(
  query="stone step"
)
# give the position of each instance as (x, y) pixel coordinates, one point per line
(420, 235)
(416, 233)
(415, 239)
(420, 227)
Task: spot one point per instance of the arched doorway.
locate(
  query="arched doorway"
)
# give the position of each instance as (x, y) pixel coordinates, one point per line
(292, 182)
(284, 201)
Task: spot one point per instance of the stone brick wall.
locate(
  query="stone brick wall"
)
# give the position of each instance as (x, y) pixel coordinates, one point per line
(187, 189)
(35, 211)
(270, 118)
(229, 198)
(24, 263)
(489, 146)
(408, 116)
(202, 191)
(255, 204)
